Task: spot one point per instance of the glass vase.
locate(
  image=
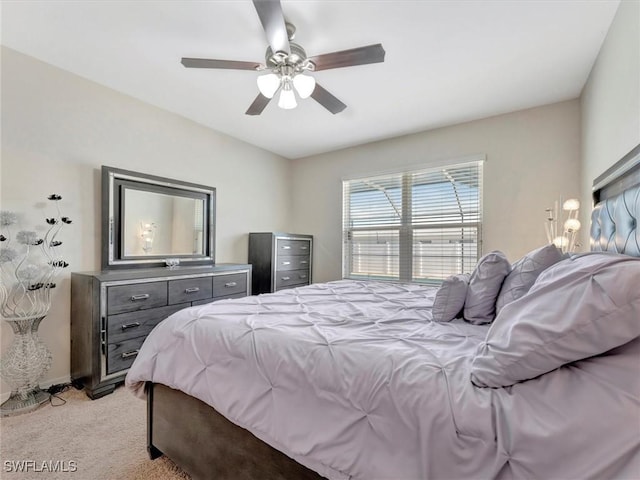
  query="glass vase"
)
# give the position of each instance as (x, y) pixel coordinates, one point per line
(23, 365)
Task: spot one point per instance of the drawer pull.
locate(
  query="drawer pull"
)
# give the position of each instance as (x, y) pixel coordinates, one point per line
(286, 278)
(230, 284)
(130, 325)
(303, 262)
(191, 290)
(286, 247)
(303, 276)
(142, 296)
(132, 353)
(286, 263)
(304, 248)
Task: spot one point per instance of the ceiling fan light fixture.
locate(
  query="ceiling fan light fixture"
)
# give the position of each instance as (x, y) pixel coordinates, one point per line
(305, 84)
(286, 63)
(268, 84)
(287, 99)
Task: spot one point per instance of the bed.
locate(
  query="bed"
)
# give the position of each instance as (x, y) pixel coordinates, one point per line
(352, 379)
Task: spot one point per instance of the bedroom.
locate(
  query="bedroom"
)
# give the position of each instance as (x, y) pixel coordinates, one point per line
(59, 128)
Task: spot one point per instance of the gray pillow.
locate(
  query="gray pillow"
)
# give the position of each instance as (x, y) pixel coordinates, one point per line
(450, 298)
(578, 308)
(524, 273)
(484, 286)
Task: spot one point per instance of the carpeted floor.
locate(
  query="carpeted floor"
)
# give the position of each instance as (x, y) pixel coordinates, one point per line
(103, 439)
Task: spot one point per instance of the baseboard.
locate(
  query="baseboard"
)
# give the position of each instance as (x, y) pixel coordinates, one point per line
(44, 384)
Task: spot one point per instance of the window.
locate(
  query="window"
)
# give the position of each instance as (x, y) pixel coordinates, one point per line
(419, 225)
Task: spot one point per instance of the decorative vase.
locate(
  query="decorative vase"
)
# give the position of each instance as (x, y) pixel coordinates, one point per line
(23, 365)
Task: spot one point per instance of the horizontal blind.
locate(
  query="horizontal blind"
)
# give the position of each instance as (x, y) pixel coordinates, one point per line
(419, 226)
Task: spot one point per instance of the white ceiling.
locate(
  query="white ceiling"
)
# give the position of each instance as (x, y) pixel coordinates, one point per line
(446, 61)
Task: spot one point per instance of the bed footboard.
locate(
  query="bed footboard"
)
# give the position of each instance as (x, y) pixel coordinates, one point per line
(206, 445)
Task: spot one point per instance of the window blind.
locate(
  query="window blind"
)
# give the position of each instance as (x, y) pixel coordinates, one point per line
(419, 225)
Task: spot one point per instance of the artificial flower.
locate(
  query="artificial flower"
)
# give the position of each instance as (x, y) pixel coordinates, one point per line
(7, 254)
(27, 237)
(7, 218)
(29, 272)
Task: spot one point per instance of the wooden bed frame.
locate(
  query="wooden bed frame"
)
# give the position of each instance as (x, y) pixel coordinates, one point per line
(207, 445)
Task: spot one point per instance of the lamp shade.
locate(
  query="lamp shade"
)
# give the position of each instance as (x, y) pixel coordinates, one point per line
(572, 225)
(305, 84)
(268, 84)
(561, 242)
(571, 204)
(287, 97)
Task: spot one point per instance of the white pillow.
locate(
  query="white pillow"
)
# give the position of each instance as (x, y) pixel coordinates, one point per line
(450, 298)
(578, 308)
(524, 273)
(484, 286)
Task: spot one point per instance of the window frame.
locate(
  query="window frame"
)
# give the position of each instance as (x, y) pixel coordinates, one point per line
(405, 228)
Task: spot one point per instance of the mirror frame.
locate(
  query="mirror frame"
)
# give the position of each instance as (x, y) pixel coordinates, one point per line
(113, 182)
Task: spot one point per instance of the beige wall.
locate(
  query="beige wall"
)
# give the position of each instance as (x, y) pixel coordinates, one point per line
(611, 99)
(58, 129)
(532, 160)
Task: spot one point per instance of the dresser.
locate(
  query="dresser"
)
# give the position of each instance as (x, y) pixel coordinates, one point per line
(112, 312)
(280, 260)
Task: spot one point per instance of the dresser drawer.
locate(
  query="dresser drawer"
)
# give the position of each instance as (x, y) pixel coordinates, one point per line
(232, 284)
(137, 296)
(121, 355)
(292, 247)
(126, 326)
(288, 279)
(190, 289)
(296, 262)
(215, 299)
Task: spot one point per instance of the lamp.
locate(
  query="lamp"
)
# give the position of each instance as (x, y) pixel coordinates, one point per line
(29, 262)
(565, 240)
(270, 83)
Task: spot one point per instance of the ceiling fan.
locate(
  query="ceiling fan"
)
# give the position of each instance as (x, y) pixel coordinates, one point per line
(288, 64)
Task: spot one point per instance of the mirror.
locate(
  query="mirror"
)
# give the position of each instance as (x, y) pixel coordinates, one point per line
(149, 219)
(161, 224)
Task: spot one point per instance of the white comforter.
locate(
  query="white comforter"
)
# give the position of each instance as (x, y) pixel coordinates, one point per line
(354, 380)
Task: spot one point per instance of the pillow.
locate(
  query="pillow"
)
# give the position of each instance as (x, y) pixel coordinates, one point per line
(450, 298)
(484, 286)
(524, 273)
(578, 308)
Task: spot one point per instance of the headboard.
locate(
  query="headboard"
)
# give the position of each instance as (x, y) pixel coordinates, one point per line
(615, 216)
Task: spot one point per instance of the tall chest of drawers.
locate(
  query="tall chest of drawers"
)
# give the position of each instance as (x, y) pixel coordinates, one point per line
(280, 260)
(112, 313)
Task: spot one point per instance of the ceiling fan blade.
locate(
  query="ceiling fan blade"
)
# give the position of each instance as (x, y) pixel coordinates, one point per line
(328, 101)
(228, 64)
(347, 58)
(272, 19)
(258, 105)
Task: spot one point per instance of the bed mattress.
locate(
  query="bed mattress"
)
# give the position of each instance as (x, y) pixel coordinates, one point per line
(353, 380)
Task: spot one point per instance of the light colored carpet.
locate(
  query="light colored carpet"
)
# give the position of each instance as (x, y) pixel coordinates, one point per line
(106, 438)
